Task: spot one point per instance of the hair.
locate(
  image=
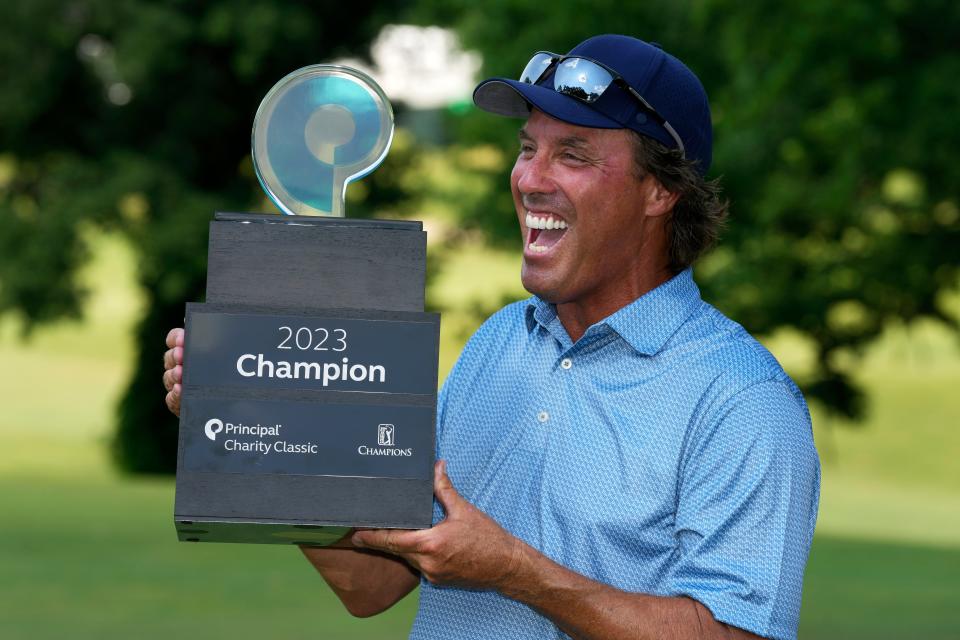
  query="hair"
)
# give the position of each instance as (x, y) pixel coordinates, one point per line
(700, 213)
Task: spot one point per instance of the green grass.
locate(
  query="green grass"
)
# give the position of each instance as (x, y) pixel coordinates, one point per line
(98, 558)
(856, 589)
(87, 553)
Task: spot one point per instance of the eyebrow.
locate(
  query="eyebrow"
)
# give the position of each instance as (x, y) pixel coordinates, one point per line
(575, 142)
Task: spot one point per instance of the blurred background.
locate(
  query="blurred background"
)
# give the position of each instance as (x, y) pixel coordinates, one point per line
(124, 124)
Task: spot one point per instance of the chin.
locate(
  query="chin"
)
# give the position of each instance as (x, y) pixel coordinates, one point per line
(542, 288)
(532, 285)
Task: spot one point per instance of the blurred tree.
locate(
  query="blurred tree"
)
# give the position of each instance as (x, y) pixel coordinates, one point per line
(135, 115)
(835, 135)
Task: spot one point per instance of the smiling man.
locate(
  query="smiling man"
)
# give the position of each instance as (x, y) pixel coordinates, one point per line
(621, 460)
(595, 230)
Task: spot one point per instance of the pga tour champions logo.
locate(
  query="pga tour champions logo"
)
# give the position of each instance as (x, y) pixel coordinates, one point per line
(386, 443)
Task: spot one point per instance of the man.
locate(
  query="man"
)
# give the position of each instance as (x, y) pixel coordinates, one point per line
(628, 462)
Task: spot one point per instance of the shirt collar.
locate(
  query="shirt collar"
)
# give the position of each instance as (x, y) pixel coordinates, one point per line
(646, 323)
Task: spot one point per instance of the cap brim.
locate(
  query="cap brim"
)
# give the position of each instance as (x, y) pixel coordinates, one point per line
(514, 99)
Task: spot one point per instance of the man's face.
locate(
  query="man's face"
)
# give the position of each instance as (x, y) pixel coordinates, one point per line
(583, 184)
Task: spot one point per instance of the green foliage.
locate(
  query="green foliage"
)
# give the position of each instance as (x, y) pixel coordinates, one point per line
(842, 202)
(834, 135)
(136, 115)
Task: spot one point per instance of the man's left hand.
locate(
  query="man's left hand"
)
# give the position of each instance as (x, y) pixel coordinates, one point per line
(466, 549)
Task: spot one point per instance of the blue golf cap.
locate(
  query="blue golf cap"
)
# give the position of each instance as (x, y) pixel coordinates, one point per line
(671, 88)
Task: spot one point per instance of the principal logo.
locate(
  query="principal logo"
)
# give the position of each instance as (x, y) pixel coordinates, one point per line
(385, 435)
(212, 428)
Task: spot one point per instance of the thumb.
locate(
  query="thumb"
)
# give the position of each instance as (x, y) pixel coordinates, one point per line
(443, 489)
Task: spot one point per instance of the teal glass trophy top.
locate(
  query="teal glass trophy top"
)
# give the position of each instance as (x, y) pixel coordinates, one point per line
(317, 130)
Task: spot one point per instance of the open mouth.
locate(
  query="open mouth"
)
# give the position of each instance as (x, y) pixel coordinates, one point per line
(544, 232)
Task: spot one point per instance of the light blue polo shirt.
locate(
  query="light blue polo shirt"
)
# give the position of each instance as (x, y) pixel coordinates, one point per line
(665, 452)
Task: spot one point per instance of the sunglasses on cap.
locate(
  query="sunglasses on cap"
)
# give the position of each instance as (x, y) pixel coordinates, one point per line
(586, 80)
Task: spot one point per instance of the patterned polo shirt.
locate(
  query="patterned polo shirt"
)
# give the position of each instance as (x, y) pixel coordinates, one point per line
(665, 452)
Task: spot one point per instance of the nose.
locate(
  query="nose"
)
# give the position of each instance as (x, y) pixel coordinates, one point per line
(533, 175)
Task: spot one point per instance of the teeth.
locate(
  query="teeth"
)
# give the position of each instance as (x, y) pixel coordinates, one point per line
(544, 222)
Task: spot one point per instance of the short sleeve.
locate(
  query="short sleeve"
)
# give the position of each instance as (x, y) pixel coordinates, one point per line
(747, 506)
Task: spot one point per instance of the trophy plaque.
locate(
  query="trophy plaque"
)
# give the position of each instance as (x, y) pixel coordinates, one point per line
(310, 371)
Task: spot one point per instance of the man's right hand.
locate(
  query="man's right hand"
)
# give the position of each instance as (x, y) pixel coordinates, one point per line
(173, 369)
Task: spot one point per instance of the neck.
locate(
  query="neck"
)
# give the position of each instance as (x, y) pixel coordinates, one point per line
(576, 317)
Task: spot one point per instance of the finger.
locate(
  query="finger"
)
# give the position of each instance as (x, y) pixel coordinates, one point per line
(172, 377)
(173, 357)
(173, 400)
(382, 539)
(175, 338)
(345, 541)
(444, 490)
(395, 541)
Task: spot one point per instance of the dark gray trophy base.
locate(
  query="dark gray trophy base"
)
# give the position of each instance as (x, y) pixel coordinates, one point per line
(351, 450)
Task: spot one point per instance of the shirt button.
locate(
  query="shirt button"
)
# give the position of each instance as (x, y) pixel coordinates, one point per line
(543, 416)
(566, 363)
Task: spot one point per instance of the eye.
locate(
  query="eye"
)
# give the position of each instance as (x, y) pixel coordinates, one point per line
(526, 149)
(572, 157)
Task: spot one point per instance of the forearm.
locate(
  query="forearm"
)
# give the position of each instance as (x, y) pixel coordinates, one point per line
(468, 549)
(367, 582)
(588, 610)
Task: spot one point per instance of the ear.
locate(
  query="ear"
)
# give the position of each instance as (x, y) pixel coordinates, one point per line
(660, 201)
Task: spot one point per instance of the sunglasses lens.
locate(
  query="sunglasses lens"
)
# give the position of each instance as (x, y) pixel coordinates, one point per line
(539, 63)
(581, 79)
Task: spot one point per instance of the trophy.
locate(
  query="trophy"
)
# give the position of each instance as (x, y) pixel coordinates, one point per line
(310, 371)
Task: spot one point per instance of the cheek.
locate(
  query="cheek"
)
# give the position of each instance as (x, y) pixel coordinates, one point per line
(515, 175)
